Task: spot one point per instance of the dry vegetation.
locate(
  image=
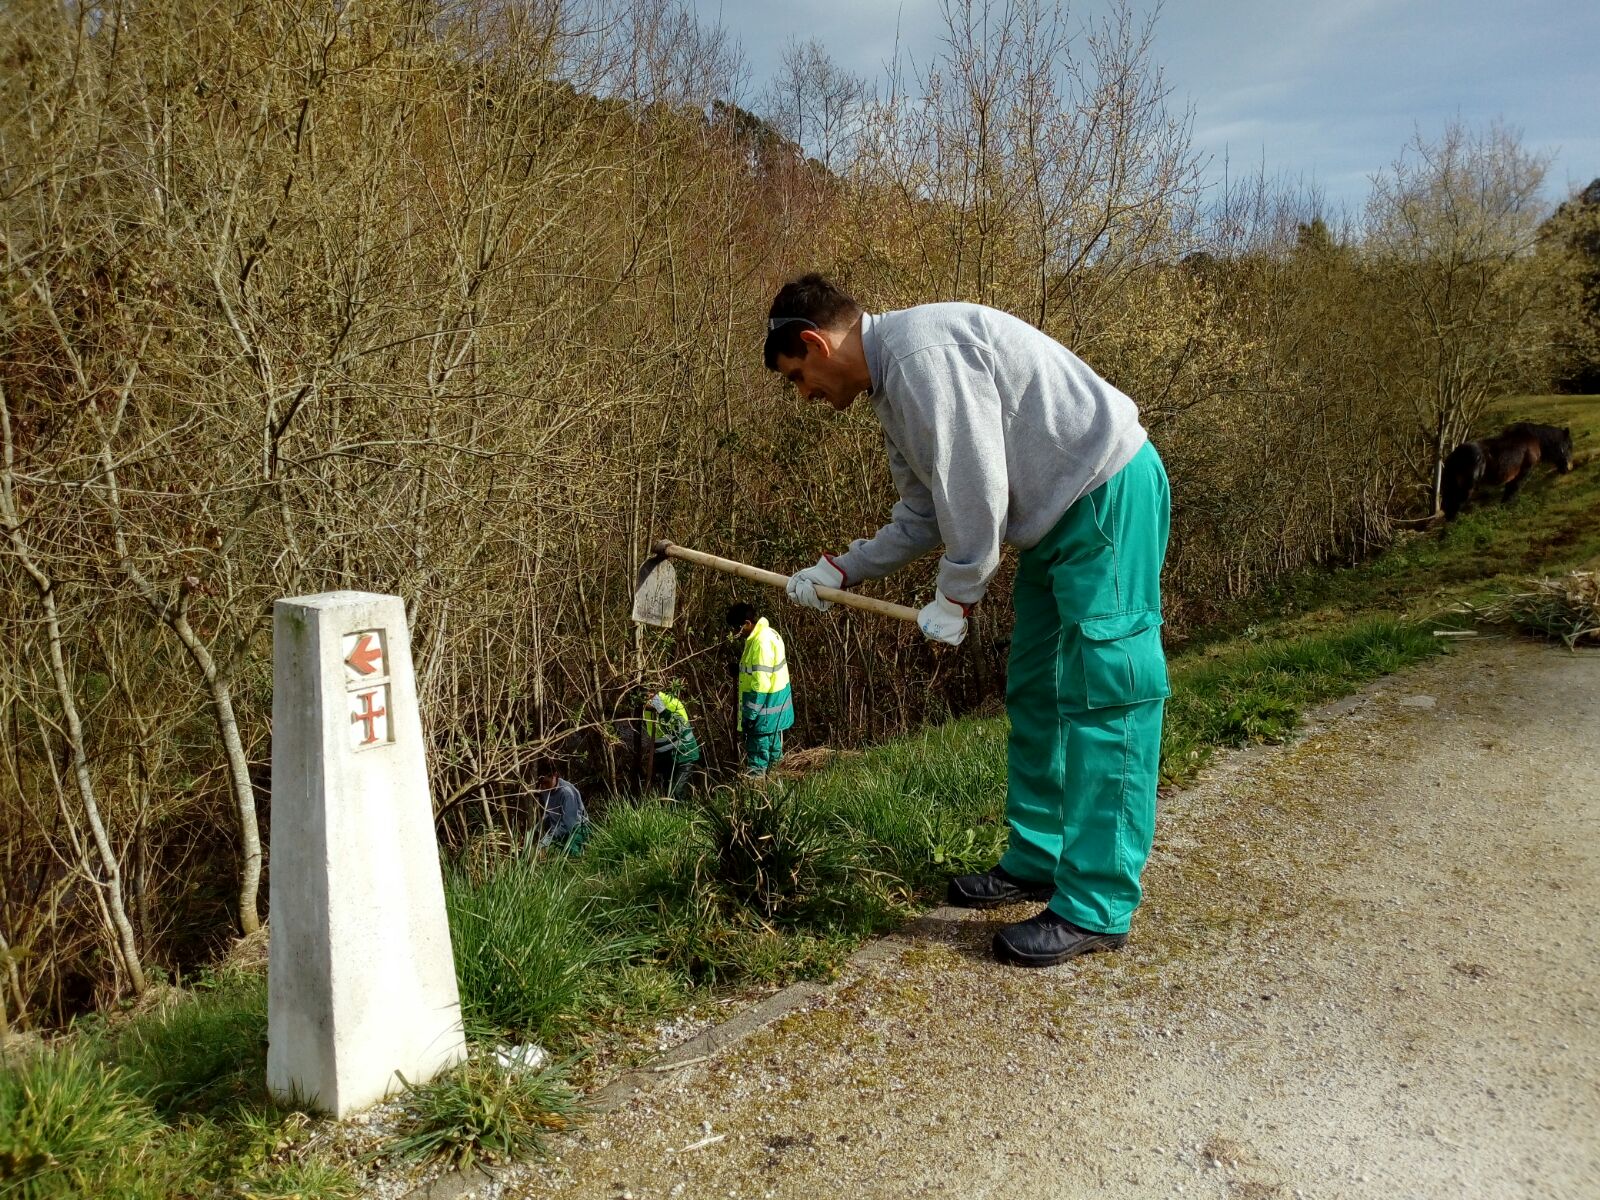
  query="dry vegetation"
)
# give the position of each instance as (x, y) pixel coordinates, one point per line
(1566, 607)
(462, 302)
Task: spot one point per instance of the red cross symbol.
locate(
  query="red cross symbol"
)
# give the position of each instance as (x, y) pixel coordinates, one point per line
(368, 716)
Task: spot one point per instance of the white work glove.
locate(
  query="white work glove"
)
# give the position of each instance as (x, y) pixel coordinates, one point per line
(944, 620)
(803, 585)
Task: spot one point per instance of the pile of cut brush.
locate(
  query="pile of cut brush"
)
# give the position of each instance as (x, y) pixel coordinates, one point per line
(1566, 607)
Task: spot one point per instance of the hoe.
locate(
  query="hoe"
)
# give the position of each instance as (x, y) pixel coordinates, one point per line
(655, 596)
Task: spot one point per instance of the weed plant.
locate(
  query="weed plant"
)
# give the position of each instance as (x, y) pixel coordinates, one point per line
(534, 947)
(312, 1179)
(776, 851)
(70, 1125)
(480, 1113)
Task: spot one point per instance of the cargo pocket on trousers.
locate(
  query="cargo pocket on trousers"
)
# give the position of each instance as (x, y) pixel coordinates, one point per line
(1121, 659)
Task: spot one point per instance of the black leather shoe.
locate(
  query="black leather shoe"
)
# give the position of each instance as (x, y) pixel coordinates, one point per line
(1047, 939)
(995, 886)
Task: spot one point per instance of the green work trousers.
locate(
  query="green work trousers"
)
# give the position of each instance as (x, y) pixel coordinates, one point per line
(673, 777)
(1084, 690)
(762, 751)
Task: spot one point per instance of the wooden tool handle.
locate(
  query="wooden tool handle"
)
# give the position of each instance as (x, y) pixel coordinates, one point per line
(773, 579)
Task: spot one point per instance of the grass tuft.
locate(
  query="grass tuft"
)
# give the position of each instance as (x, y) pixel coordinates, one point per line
(774, 851)
(70, 1126)
(532, 954)
(313, 1179)
(479, 1113)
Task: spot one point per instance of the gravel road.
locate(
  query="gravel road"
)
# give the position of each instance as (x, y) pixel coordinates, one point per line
(1367, 966)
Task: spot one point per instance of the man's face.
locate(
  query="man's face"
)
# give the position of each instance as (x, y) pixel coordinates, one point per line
(820, 375)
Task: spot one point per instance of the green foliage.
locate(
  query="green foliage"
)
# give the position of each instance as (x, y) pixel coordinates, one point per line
(479, 1113)
(773, 850)
(531, 952)
(201, 1054)
(648, 855)
(908, 799)
(966, 851)
(1257, 718)
(70, 1126)
(772, 956)
(312, 1179)
(164, 1103)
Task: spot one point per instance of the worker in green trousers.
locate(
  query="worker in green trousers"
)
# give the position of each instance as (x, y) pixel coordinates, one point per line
(996, 433)
(766, 704)
(1084, 693)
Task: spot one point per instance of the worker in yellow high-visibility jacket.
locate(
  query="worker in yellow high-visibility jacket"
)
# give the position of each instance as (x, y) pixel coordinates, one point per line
(676, 749)
(766, 706)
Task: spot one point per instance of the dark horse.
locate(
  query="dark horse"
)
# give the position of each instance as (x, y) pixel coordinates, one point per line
(1504, 459)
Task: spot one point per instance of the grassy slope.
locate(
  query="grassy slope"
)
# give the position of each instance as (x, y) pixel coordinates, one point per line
(759, 886)
(1550, 528)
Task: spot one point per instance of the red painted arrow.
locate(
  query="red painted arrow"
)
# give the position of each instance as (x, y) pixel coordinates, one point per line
(364, 659)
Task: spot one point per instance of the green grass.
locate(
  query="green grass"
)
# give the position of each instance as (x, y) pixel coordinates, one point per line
(199, 1056)
(534, 950)
(479, 1113)
(165, 1103)
(71, 1126)
(1549, 529)
(756, 885)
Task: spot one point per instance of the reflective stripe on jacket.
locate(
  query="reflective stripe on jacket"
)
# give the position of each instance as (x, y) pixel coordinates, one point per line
(670, 730)
(765, 704)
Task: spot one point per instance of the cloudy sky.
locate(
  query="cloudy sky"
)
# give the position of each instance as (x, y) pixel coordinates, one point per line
(1325, 91)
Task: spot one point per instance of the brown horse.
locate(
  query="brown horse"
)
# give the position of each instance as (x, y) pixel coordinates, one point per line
(1504, 459)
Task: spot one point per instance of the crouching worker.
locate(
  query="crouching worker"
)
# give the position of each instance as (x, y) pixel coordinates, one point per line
(997, 433)
(677, 750)
(563, 821)
(766, 707)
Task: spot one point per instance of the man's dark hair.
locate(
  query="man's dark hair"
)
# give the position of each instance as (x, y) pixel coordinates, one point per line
(545, 766)
(810, 302)
(739, 613)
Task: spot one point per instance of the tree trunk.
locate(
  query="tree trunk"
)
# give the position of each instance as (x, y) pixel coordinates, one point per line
(221, 690)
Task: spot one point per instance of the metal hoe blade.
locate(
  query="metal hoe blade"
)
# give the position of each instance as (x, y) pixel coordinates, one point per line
(655, 599)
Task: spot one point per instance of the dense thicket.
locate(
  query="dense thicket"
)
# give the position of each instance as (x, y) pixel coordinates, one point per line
(1571, 242)
(464, 302)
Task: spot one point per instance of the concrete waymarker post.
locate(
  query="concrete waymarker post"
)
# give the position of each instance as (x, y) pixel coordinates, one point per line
(362, 985)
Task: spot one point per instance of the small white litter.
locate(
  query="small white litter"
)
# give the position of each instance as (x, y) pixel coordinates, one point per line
(526, 1057)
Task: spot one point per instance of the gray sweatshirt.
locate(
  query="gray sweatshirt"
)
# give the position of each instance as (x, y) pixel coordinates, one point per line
(993, 431)
(561, 812)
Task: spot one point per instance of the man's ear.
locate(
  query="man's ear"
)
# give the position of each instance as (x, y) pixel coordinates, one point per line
(816, 341)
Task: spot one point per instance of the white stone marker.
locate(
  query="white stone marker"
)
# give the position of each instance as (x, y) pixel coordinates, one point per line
(361, 982)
